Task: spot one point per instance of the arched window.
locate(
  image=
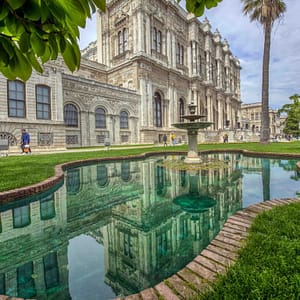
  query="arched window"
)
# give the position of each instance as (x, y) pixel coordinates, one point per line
(43, 104)
(16, 99)
(157, 110)
(125, 170)
(73, 181)
(71, 115)
(100, 118)
(102, 175)
(122, 41)
(181, 110)
(123, 120)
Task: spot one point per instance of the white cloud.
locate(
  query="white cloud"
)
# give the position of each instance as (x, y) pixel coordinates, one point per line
(246, 42)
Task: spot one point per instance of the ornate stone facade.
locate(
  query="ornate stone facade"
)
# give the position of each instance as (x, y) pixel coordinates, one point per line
(172, 59)
(151, 59)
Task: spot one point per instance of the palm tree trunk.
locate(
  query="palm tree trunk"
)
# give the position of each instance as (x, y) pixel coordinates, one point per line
(265, 118)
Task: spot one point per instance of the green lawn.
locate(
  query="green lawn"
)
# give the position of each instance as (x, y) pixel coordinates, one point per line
(24, 170)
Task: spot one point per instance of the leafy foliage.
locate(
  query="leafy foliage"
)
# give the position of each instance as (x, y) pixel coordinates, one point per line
(35, 31)
(292, 122)
(197, 7)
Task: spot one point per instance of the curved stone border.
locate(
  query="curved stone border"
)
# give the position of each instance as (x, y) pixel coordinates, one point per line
(197, 276)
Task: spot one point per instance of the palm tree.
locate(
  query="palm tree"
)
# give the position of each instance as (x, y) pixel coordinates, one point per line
(265, 12)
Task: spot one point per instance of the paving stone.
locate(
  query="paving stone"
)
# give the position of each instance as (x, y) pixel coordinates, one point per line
(218, 258)
(241, 219)
(265, 206)
(198, 282)
(221, 237)
(226, 246)
(133, 297)
(232, 230)
(202, 271)
(237, 227)
(223, 252)
(166, 292)
(149, 294)
(210, 264)
(234, 221)
(250, 214)
(232, 236)
(182, 288)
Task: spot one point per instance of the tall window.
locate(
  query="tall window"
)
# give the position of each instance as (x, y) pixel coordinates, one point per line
(157, 110)
(180, 54)
(181, 110)
(128, 245)
(21, 216)
(51, 274)
(47, 207)
(100, 116)
(16, 99)
(73, 181)
(70, 115)
(43, 107)
(26, 286)
(158, 49)
(102, 175)
(125, 170)
(156, 40)
(124, 120)
(122, 41)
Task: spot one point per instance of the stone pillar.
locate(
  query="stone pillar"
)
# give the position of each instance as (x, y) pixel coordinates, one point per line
(169, 48)
(220, 114)
(141, 46)
(148, 35)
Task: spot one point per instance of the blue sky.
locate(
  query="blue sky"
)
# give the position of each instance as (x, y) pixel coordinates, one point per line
(246, 42)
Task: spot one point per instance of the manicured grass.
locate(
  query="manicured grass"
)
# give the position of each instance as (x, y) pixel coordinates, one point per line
(19, 171)
(269, 265)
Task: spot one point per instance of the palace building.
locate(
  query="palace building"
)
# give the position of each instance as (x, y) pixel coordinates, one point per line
(151, 59)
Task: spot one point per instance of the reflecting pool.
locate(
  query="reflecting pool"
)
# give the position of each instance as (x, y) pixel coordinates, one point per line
(116, 228)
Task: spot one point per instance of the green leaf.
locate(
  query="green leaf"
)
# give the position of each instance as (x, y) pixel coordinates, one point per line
(37, 44)
(24, 42)
(34, 62)
(32, 10)
(15, 4)
(101, 4)
(3, 12)
(70, 56)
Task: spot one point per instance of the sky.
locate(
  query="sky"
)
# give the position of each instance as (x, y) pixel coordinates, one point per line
(246, 40)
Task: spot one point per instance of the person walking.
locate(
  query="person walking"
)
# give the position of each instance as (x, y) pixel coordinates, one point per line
(25, 142)
(165, 138)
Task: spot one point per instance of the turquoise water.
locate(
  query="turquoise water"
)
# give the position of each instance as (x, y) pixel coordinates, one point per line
(116, 228)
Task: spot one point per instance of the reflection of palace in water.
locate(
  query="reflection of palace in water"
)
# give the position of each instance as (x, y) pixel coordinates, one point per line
(128, 207)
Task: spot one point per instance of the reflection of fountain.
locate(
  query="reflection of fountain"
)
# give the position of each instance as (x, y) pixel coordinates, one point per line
(192, 128)
(195, 201)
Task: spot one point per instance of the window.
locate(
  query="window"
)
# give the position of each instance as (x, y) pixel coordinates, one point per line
(125, 170)
(16, 99)
(157, 110)
(26, 287)
(21, 216)
(158, 49)
(123, 120)
(128, 245)
(43, 107)
(122, 41)
(156, 40)
(100, 116)
(47, 208)
(71, 115)
(102, 175)
(180, 54)
(181, 110)
(73, 181)
(51, 274)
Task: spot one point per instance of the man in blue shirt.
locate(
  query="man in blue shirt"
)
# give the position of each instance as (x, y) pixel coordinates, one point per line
(25, 141)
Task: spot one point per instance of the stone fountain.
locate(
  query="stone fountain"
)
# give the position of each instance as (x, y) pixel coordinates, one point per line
(192, 128)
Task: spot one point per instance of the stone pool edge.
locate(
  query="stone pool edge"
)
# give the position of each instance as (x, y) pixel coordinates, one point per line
(222, 252)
